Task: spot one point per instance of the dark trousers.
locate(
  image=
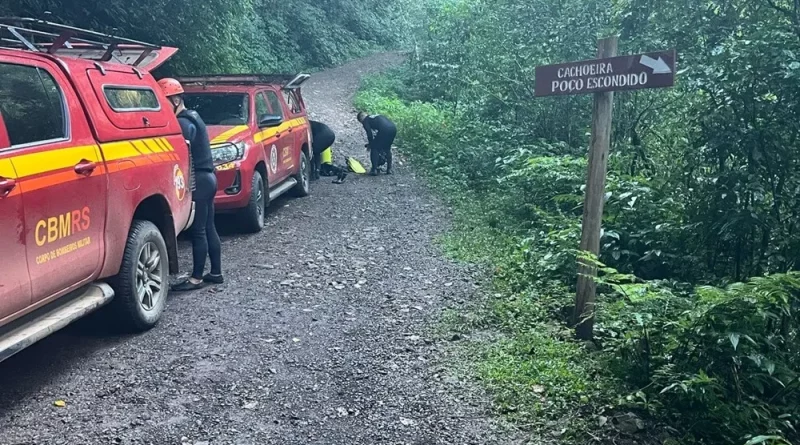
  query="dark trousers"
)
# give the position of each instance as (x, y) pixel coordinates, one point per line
(381, 149)
(205, 240)
(321, 142)
(316, 165)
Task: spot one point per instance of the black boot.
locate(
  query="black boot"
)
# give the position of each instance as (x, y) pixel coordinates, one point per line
(389, 169)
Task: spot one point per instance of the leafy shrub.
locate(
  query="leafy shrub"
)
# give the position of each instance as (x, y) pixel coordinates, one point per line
(721, 362)
(719, 365)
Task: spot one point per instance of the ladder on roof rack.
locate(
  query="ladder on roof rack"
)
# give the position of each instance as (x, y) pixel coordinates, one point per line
(62, 40)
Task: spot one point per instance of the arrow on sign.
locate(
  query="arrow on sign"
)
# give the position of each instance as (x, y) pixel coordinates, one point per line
(658, 66)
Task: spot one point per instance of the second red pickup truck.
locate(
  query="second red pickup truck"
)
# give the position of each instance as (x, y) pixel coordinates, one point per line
(260, 139)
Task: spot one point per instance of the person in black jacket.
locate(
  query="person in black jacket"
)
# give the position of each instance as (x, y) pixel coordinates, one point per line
(380, 143)
(205, 240)
(322, 139)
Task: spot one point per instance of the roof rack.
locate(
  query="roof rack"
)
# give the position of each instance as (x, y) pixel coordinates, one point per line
(287, 81)
(56, 39)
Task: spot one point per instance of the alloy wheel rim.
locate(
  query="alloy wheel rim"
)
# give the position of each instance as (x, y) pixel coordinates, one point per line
(149, 281)
(260, 201)
(304, 174)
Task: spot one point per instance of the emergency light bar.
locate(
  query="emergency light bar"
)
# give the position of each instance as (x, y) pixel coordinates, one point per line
(63, 40)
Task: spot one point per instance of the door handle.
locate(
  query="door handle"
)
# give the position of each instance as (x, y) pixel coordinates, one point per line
(85, 167)
(6, 186)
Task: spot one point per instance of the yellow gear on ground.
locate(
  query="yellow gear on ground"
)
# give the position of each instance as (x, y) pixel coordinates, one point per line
(355, 166)
(326, 157)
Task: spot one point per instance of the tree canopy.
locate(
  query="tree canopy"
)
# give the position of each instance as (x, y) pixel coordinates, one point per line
(227, 36)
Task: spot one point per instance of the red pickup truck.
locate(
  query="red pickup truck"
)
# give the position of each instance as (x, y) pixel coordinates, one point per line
(260, 139)
(93, 180)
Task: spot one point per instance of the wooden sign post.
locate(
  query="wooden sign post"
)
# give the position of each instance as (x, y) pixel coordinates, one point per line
(602, 76)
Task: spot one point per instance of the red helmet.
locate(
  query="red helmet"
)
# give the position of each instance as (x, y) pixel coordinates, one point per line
(171, 87)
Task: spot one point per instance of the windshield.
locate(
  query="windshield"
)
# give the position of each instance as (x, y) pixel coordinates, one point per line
(220, 108)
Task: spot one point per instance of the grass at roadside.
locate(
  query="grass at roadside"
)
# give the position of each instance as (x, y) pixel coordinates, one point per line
(539, 378)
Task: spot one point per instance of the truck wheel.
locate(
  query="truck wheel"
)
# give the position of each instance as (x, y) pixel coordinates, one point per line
(252, 219)
(143, 282)
(303, 187)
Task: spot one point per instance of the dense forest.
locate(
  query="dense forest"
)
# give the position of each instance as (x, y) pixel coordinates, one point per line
(226, 36)
(696, 338)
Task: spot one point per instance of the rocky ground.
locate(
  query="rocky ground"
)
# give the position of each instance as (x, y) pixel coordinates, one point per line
(321, 334)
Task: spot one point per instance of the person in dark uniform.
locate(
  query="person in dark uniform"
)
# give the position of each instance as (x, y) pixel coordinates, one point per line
(380, 143)
(322, 139)
(205, 240)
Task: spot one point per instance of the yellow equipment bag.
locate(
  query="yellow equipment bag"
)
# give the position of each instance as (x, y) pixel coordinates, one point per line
(354, 166)
(326, 157)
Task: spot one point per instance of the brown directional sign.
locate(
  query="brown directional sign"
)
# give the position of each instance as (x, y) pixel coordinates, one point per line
(651, 70)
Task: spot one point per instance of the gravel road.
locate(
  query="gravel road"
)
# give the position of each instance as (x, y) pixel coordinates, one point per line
(321, 334)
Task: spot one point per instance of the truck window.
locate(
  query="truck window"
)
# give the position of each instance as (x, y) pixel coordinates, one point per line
(291, 100)
(275, 103)
(220, 108)
(123, 99)
(262, 107)
(32, 105)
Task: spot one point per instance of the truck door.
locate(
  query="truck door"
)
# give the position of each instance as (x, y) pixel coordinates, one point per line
(291, 158)
(15, 283)
(263, 109)
(300, 125)
(60, 174)
(280, 144)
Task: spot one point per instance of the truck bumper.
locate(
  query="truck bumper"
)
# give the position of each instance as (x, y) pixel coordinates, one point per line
(233, 188)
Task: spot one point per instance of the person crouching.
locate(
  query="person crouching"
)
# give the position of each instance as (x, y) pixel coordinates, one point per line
(322, 141)
(379, 144)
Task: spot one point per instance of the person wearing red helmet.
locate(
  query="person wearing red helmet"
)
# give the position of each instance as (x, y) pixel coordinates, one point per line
(205, 240)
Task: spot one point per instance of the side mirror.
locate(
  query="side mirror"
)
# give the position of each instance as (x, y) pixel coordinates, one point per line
(269, 120)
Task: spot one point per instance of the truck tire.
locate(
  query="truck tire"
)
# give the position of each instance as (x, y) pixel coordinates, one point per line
(252, 216)
(142, 285)
(303, 176)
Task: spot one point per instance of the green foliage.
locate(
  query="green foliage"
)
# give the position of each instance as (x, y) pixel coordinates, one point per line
(719, 365)
(227, 36)
(717, 153)
(717, 354)
(703, 190)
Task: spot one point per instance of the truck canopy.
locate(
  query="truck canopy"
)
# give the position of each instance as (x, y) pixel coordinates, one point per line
(66, 41)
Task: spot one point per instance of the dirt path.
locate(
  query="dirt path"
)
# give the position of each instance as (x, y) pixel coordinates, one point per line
(320, 335)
